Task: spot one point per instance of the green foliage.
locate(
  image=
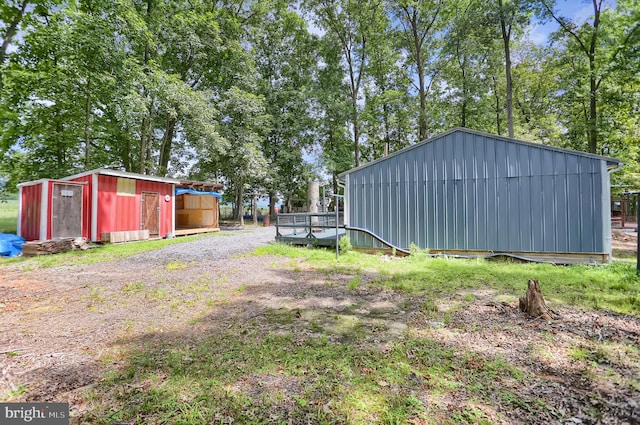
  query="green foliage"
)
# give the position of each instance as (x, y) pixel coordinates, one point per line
(344, 244)
(245, 93)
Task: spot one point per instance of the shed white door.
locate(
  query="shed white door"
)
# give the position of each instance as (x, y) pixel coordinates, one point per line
(66, 211)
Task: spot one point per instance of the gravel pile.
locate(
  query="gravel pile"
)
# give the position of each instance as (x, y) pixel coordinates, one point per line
(220, 246)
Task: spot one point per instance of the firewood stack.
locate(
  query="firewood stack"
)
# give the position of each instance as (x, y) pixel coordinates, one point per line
(53, 246)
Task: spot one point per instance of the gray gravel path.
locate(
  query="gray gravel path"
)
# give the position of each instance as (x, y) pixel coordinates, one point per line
(219, 246)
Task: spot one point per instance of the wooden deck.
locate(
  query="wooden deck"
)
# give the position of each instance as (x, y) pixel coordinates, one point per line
(195, 230)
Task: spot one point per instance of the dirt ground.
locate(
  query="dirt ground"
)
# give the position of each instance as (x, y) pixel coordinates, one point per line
(624, 243)
(63, 327)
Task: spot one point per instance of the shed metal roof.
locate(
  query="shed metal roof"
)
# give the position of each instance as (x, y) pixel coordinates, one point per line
(612, 162)
(125, 174)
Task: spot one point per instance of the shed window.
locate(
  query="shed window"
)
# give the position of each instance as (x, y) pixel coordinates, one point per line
(126, 187)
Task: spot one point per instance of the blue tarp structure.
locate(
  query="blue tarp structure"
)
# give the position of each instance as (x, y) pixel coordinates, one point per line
(10, 245)
(197, 192)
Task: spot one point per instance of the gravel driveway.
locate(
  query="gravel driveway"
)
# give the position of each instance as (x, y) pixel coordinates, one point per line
(225, 244)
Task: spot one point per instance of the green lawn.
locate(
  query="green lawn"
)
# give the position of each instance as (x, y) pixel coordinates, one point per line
(9, 216)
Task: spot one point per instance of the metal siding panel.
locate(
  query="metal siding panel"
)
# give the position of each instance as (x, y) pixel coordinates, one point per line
(502, 206)
(502, 170)
(574, 221)
(523, 160)
(513, 214)
(559, 163)
(572, 164)
(440, 224)
(562, 209)
(548, 212)
(492, 213)
(481, 213)
(535, 162)
(107, 205)
(546, 158)
(447, 201)
(600, 216)
(464, 232)
(605, 218)
(513, 166)
(537, 208)
(439, 163)
(587, 214)
(30, 212)
(525, 217)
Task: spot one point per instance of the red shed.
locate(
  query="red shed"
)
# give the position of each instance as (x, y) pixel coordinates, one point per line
(99, 204)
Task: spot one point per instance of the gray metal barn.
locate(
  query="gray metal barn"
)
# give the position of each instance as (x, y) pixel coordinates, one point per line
(467, 192)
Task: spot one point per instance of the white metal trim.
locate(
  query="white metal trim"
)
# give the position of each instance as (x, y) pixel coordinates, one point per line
(94, 207)
(347, 200)
(19, 227)
(44, 207)
(173, 210)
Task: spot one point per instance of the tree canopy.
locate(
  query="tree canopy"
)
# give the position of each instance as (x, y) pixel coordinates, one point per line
(252, 92)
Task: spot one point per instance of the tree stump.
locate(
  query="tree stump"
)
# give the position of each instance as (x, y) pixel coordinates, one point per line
(533, 302)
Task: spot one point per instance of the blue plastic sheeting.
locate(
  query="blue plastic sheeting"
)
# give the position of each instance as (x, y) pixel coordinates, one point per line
(10, 245)
(197, 192)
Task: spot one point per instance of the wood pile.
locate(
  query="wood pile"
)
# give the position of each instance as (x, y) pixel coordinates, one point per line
(53, 246)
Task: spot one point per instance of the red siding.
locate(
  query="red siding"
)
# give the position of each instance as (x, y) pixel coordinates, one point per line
(31, 201)
(122, 213)
(166, 208)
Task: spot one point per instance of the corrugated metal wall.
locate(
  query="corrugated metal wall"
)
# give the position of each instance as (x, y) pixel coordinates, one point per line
(122, 213)
(465, 191)
(31, 202)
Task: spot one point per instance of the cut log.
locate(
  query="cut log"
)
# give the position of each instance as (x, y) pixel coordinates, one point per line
(533, 303)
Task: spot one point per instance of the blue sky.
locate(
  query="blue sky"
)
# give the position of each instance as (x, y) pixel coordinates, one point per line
(577, 11)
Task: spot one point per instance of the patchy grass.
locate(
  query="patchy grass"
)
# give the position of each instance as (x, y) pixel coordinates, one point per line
(334, 365)
(612, 287)
(103, 253)
(9, 216)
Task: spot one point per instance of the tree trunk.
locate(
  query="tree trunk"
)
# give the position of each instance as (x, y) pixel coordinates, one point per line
(87, 125)
(272, 206)
(254, 209)
(533, 302)
(506, 38)
(165, 149)
(495, 91)
(239, 204)
(11, 31)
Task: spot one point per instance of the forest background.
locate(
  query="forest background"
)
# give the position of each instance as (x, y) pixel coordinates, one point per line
(247, 92)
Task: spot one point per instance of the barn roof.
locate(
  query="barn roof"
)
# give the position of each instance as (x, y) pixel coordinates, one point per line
(611, 162)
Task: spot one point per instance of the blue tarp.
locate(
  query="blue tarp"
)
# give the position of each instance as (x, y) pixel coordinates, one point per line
(197, 192)
(10, 245)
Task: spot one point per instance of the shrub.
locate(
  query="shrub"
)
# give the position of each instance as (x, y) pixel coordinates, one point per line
(345, 244)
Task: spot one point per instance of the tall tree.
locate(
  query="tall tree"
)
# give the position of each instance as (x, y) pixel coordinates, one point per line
(351, 24)
(419, 22)
(601, 58)
(285, 60)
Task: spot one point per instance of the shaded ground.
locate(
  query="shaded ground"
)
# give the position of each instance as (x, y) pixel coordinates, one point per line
(67, 328)
(624, 243)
